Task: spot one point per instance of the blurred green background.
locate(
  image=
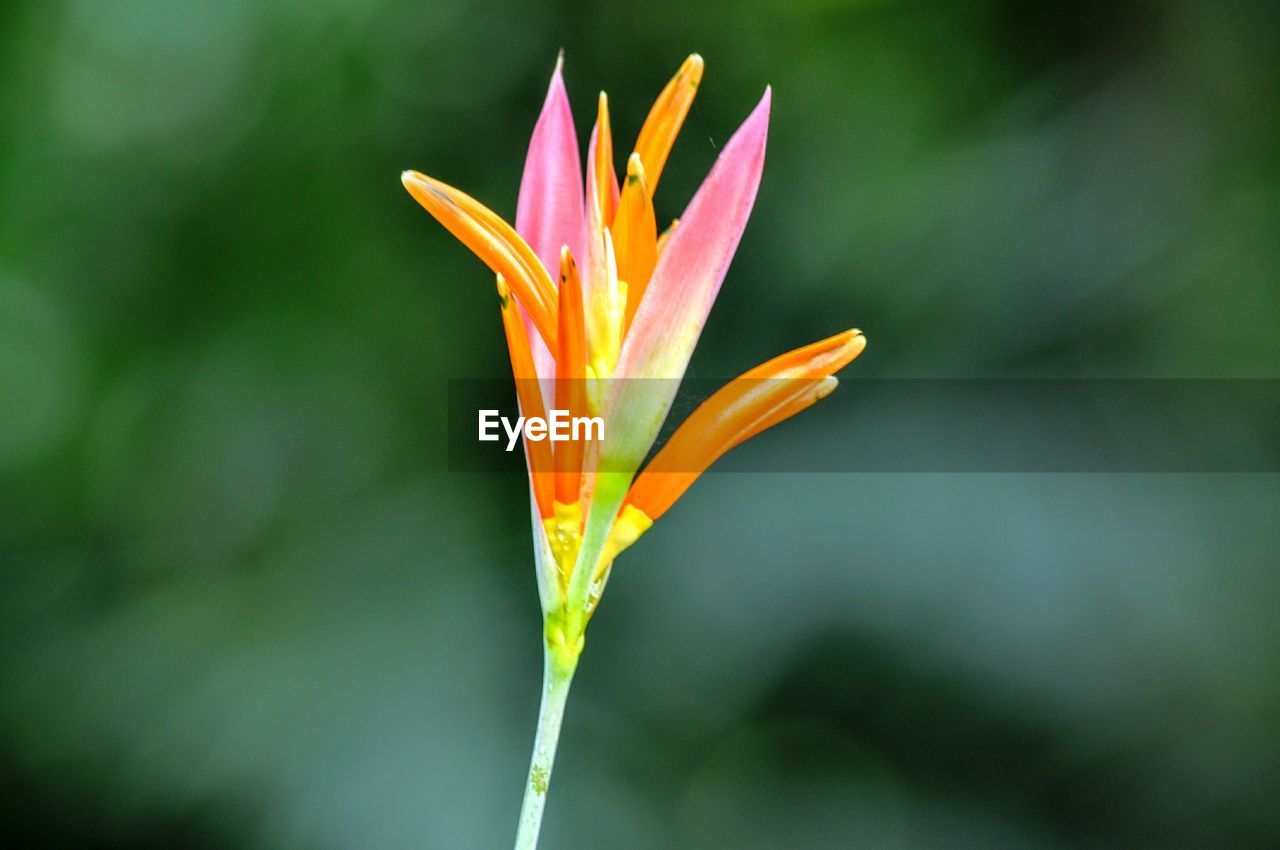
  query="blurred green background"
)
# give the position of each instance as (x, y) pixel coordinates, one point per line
(244, 606)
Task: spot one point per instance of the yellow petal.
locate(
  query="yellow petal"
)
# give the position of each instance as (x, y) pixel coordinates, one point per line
(605, 308)
(627, 529)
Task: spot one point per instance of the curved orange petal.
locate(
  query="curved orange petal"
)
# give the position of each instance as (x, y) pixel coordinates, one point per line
(493, 241)
(537, 452)
(756, 400)
(666, 117)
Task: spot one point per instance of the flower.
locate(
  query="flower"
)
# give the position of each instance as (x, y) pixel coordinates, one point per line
(601, 315)
(613, 334)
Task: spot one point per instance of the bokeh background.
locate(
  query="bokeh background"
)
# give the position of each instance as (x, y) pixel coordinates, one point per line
(245, 606)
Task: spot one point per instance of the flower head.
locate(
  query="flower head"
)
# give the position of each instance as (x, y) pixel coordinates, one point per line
(602, 312)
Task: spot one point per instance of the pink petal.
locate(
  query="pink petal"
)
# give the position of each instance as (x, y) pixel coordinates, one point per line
(684, 285)
(549, 212)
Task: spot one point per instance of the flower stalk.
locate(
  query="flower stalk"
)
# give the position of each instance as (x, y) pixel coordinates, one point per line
(557, 675)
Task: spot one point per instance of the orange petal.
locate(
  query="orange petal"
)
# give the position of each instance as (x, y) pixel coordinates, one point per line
(666, 117)
(571, 362)
(602, 198)
(537, 453)
(806, 397)
(747, 405)
(493, 241)
(635, 234)
(815, 360)
(603, 180)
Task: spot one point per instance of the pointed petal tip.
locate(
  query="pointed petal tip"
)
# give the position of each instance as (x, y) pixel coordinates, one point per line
(760, 114)
(848, 344)
(549, 205)
(756, 125)
(416, 179)
(852, 342)
(566, 257)
(556, 92)
(418, 183)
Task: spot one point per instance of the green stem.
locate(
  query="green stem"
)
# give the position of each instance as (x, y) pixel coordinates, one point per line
(556, 677)
(611, 489)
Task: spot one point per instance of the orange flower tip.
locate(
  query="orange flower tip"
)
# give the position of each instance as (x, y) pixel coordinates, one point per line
(827, 386)
(692, 69)
(635, 168)
(568, 266)
(851, 341)
(416, 181)
(505, 298)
